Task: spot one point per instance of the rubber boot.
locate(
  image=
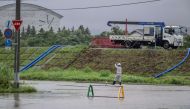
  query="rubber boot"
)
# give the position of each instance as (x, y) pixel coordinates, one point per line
(114, 82)
(119, 83)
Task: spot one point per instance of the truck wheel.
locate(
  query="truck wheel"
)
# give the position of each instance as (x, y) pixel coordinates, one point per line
(166, 45)
(174, 47)
(137, 45)
(128, 44)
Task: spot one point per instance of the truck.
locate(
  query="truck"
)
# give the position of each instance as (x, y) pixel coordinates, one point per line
(152, 34)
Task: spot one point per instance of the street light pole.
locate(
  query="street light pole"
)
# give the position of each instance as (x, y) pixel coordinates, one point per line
(17, 48)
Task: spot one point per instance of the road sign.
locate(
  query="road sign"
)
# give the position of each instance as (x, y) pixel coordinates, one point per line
(17, 24)
(8, 33)
(8, 42)
(8, 23)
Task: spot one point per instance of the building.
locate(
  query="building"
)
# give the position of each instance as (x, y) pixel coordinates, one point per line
(32, 15)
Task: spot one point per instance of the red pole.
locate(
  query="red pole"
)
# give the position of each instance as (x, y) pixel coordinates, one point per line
(126, 31)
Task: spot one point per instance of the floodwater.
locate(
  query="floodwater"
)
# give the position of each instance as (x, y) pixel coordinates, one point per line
(70, 95)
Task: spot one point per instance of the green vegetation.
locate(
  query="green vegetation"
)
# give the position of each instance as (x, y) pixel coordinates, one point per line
(1, 38)
(22, 89)
(187, 42)
(5, 76)
(114, 31)
(6, 86)
(63, 36)
(88, 75)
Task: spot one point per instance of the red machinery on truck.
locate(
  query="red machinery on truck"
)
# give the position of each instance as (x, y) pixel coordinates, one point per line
(104, 42)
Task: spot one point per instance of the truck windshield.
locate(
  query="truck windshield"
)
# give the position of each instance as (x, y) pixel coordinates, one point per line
(172, 31)
(169, 31)
(175, 30)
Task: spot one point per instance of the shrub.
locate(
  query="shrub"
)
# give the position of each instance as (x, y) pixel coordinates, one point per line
(187, 41)
(87, 70)
(176, 81)
(5, 76)
(55, 69)
(105, 73)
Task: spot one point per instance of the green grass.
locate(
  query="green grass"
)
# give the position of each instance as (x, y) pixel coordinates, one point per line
(6, 78)
(88, 75)
(22, 89)
(73, 49)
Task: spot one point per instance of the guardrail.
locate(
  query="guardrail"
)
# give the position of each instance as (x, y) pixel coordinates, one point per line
(39, 58)
(175, 66)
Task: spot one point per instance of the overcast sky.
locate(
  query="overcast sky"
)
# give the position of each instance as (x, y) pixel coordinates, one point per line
(172, 12)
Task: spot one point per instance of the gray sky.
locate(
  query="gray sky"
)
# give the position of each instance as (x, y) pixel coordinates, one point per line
(172, 12)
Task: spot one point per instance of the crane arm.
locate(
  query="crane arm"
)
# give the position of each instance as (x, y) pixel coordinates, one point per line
(136, 23)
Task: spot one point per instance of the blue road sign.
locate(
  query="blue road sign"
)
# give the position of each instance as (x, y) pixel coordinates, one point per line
(8, 42)
(8, 33)
(8, 23)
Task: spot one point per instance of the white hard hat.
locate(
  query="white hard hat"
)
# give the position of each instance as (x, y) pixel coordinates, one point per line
(119, 64)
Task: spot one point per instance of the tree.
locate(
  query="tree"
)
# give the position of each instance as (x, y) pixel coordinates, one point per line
(41, 30)
(117, 31)
(73, 29)
(105, 33)
(28, 30)
(114, 31)
(63, 29)
(1, 39)
(33, 31)
(1, 34)
(81, 28)
(59, 30)
(64, 36)
(22, 32)
(187, 41)
(51, 29)
(87, 31)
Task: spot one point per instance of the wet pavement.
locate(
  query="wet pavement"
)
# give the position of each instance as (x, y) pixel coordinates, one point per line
(70, 95)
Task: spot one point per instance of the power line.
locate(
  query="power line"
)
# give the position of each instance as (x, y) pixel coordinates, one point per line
(14, 0)
(108, 6)
(7, 0)
(98, 7)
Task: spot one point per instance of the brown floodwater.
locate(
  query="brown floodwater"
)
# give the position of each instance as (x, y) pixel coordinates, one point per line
(71, 95)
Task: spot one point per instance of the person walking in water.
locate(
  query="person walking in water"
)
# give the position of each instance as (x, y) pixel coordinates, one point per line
(118, 73)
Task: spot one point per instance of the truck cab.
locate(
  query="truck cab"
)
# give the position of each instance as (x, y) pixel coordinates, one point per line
(172, 37)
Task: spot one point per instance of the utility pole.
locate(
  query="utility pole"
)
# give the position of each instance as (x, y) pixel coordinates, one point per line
(17, 48)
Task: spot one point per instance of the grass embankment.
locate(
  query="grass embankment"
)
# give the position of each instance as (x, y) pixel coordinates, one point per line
(88, 75)
(144, 62)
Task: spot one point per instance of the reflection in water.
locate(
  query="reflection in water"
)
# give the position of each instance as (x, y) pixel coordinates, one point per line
(90, 98)
(17, 100)
(121, 99)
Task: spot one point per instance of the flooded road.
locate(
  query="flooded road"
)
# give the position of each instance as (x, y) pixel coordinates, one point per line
(70, 95)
